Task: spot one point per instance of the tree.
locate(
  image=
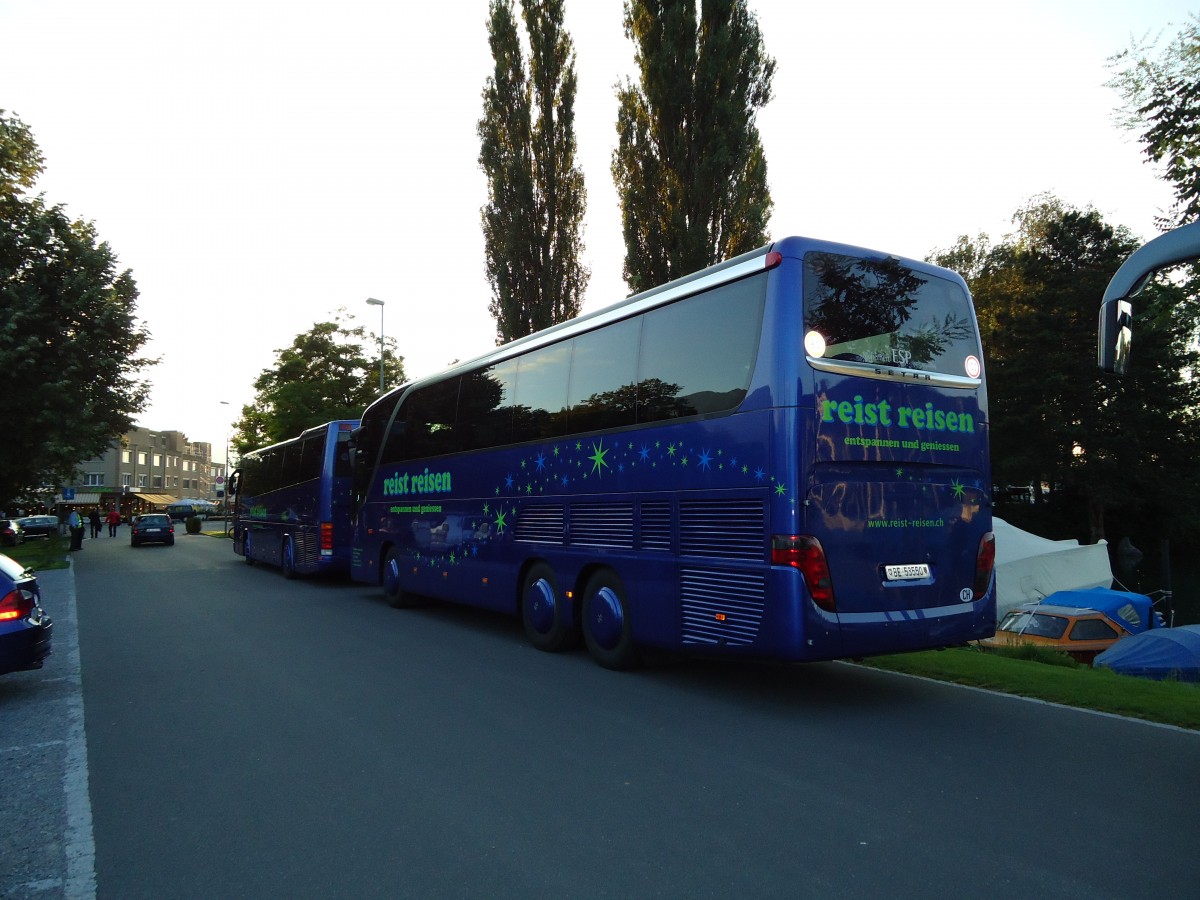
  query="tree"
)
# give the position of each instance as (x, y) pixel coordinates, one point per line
(1110, 444)
(327, 373)
(69, 336)
(1162, 100)
(533, 221)
(689, 165)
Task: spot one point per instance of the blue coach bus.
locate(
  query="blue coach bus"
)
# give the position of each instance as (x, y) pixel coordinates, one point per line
(783, 456)
(292, 502)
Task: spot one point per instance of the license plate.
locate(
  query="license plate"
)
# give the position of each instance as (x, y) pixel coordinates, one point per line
(907, 573)
(153, 530)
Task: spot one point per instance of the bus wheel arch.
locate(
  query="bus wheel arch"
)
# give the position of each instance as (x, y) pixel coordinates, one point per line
(546, 613)
(606, 622)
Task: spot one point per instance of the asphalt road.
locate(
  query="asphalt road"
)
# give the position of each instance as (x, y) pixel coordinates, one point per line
(253, 737)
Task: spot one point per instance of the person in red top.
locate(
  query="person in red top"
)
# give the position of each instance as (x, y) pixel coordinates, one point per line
(114, 519)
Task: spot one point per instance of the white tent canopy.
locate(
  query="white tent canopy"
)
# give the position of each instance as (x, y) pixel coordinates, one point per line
(1029, 567)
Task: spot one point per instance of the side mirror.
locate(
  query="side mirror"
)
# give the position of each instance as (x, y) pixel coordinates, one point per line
(1115, 336)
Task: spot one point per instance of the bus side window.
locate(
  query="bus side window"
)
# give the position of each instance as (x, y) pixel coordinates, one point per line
(540, 409)
(485, 406)
(602, 391)
(430, 418)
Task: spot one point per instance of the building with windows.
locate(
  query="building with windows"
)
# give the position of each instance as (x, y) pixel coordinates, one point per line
(146, 470)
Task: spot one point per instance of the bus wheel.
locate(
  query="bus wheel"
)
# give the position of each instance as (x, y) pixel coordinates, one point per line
(246, 548)
(606, 626)
(545, 614)
(288, 561)
(396, 597)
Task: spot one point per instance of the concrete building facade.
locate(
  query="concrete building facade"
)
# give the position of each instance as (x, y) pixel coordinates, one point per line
(146, 470)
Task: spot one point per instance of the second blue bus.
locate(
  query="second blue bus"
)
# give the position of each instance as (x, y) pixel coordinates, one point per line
(784, 456)
(292, 502)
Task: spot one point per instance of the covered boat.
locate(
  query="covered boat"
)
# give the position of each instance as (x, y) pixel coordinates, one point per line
(1161, 653)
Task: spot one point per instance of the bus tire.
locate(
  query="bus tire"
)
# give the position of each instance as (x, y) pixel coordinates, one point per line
(246, 548)
(396, 597)
(607, 628)
(545, 613)
(287, 560)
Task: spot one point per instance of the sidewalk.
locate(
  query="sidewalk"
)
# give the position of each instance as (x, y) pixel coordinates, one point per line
(48, 849)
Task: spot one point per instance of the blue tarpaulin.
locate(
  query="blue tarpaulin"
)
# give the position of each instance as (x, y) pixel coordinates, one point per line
(1134, 611)
(1159, 654)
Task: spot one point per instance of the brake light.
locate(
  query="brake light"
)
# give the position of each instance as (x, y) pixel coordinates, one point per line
(804, 552)
(16, 605)
(985, 562)
(327, 536)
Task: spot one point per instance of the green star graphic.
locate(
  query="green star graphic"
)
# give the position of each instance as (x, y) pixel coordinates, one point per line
(670, 449)
(780, 489)
(597, 457)
(500, 520)
(486, 509)
(959, 488)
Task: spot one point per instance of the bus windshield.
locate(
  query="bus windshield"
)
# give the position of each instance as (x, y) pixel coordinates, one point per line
(880, 312)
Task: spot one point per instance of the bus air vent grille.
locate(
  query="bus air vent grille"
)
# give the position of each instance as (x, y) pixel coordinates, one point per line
(722, 608)
(730, 529)
(656, 526)
(540, 525)
(602, 525)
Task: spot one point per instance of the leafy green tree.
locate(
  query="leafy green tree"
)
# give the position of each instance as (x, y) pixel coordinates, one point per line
(329, 372)
(689, 165)
(533, 221)
(69, 337)
(1100, 443)
(1162, 100)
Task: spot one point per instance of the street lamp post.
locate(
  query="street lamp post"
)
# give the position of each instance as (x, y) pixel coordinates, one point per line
(371, 301)
(225, 472)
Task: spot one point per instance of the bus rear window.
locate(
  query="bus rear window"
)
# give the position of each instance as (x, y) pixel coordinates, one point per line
(880, 312)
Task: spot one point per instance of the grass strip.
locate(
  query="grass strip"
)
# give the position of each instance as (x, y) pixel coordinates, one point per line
(1058, 680)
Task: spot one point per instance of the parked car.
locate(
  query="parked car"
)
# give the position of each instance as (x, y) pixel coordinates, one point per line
(11, 533)
(39, 526)
(25, 630)
(152, 528)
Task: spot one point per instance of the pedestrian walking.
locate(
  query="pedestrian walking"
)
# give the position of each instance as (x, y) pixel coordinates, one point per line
(114, 519)
(94, 521)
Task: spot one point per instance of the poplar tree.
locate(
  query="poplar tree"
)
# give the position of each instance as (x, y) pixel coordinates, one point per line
(533, 220)
(689, 165)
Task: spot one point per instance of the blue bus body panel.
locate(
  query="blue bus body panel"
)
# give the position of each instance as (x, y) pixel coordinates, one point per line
(296, 513)
(883, 472)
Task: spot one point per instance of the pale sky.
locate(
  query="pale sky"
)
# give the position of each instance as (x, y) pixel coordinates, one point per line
(260, 163)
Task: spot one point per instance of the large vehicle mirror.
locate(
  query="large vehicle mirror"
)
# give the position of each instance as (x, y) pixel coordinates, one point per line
(1116, 336)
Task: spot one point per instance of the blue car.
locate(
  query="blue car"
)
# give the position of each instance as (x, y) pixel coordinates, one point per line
(24, 628)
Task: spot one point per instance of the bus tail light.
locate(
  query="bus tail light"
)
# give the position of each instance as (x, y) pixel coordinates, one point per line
(804, 552)
(985, 562)
(326, 538)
